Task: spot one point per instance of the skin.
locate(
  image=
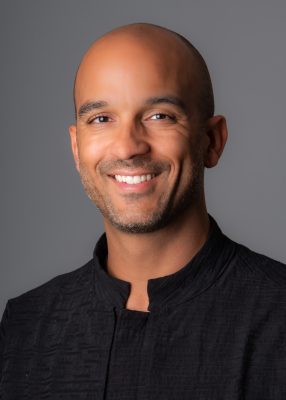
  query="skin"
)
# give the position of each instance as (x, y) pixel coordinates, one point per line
(125, 68)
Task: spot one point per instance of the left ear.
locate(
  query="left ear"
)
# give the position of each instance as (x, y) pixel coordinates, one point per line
(216, 131)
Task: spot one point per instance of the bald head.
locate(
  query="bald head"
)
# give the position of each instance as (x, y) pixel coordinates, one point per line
(170, 49)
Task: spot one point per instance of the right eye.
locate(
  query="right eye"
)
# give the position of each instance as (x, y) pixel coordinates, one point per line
(99, 119)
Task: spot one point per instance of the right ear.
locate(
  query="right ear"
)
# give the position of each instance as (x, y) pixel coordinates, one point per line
(74, 145)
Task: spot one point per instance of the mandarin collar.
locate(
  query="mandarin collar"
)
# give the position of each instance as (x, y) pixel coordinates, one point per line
(191, 280)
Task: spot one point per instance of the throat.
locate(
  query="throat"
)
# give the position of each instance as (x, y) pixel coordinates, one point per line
(138, 299)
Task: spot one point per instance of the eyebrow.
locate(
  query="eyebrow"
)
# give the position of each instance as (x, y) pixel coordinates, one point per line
(174, 100)
(91, 105)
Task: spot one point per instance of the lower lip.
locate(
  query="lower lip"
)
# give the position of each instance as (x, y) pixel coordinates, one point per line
(135, 187)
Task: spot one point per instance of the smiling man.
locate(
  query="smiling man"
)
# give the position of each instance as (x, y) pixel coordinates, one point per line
(168, 307)
(140, 144)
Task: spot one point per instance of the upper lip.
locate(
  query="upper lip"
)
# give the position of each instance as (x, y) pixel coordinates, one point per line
(136, 173)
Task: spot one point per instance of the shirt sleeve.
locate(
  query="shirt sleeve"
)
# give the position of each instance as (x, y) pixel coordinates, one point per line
(3, 330)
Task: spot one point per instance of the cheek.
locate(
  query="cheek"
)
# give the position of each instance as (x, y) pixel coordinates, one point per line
(177, 150)
(184, 155)
(91, 151)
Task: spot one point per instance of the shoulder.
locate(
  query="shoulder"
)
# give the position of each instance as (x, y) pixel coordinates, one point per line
(261, 266)
(56, 298)
(73, 283)
(253, 284)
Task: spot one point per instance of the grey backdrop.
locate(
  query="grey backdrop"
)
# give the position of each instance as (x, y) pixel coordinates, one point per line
(48, 225)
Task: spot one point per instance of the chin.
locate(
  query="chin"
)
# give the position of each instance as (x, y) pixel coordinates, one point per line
(135, 225)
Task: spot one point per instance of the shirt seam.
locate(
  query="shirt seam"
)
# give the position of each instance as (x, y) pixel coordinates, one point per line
(261, 271)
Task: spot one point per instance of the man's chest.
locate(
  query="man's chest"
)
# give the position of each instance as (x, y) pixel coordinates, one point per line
(182, 354)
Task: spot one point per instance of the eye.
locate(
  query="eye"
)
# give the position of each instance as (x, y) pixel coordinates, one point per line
(99, 119)
(162, 116)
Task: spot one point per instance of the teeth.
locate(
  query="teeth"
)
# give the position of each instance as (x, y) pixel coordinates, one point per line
(132, 180)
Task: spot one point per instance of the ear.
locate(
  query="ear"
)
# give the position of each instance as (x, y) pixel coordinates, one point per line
(216, 131)
(74, 145)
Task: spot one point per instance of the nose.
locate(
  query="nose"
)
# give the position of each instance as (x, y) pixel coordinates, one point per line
(131, 140)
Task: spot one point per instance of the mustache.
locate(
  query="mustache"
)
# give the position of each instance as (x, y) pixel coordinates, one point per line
(109, 167)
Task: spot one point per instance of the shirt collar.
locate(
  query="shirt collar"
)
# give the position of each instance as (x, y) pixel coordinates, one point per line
(191, 280)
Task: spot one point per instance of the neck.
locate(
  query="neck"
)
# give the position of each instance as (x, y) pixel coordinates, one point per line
(136, 258)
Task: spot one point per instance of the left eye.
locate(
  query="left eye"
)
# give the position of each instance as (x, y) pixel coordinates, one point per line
(161, 116)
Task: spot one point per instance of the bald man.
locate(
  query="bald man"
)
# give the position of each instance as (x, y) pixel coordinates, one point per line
(168, 307)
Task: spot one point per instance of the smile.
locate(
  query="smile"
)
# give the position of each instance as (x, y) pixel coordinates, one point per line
(133, 180)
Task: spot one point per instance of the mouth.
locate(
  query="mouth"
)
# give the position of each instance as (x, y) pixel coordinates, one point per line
(136, 182)
(134, 179)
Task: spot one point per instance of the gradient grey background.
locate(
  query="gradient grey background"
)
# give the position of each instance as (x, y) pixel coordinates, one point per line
(48, 225)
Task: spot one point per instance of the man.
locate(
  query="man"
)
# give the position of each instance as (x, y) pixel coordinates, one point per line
(169, 307)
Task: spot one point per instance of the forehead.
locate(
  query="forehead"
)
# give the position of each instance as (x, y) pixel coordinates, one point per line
(127, 68)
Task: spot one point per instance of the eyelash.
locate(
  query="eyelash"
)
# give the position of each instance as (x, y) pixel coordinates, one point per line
(169, 117)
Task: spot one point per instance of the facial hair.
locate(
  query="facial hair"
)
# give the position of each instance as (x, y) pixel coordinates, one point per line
(169, 207)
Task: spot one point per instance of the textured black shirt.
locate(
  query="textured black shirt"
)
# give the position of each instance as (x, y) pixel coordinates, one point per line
(215, 330)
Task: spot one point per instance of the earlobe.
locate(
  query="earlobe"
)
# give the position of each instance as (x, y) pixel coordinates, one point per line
(74, 146)
(216, 130)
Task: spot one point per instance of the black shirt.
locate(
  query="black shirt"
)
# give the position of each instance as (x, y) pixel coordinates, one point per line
(215, 330)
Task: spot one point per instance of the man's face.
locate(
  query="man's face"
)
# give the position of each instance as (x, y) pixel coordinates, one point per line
(138, 141)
